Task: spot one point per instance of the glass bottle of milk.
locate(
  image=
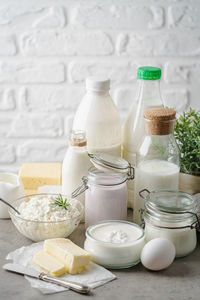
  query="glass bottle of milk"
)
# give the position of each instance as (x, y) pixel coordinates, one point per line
(157, 158)
(75, 164)
(97, 115)
(133, 131)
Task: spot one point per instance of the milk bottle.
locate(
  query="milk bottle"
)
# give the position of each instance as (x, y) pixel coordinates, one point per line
(157, 158)
(97, 115)
(75, 164)
(133, 131)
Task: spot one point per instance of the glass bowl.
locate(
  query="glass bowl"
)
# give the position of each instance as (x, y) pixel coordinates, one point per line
(37, 230)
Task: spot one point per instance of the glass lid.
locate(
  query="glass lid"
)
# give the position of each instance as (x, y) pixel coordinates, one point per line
(108, 163)
(171, 202)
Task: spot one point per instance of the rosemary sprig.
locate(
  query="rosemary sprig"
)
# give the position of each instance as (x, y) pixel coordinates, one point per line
(187, 134)
(61, 202)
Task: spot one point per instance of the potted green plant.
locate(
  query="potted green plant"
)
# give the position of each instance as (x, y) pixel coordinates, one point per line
(187, 134)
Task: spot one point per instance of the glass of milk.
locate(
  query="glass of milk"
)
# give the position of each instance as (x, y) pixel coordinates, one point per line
(157, 158)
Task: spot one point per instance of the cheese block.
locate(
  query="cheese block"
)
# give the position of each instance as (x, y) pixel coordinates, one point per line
(34, 175)
(49, 263)
(73, 257)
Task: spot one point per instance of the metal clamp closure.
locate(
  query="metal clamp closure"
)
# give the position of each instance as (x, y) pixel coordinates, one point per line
(131, 173)
(141, 212)
(81, 189)
(142, 196)
(195, 224)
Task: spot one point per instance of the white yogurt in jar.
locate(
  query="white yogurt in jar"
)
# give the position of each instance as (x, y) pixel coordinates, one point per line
(106, 197)
(184, 239)
(115, 244)
(172, 215)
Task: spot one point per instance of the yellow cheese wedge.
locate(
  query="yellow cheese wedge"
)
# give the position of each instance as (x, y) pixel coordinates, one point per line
(30, 192)
(34, 175)
(49, 263)
(73, 257)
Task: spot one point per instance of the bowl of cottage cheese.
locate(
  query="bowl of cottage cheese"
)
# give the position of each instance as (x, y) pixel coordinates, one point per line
(46, 216)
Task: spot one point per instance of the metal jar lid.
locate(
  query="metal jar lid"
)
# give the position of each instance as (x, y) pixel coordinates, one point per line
(105, 163)
(109, 163)
(171, 209)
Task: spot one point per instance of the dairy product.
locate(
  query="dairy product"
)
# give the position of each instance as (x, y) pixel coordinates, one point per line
(106, 197)
(115, 244)
(73, 257)
(133, 130)
(40, 219)
(75, 164)
(157, 157)
(184, 239)
(98, 117)
(115, 232)
(11, 188)
(172, 215)
(49, 264)
(34, 175)
(43, 209)
(153, 175)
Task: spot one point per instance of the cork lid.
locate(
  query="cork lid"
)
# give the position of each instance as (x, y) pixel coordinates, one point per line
(159, 120)
(77, 138)
(160, 113)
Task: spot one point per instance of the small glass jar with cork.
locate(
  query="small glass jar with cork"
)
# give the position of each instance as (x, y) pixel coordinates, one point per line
(157, 158)
(75, 164)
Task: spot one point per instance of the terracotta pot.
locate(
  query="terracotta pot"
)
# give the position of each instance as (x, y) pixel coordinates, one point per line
(189, 183)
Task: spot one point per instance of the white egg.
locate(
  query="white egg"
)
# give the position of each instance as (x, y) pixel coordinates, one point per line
(158, 254)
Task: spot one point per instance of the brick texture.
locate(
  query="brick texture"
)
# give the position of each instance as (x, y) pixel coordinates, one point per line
(159, 44)
(119, 16)
(36, 125)
(66, 43)
(29, 72)
(48, 48)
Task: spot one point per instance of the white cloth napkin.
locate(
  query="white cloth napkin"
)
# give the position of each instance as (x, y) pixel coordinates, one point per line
(94, 276)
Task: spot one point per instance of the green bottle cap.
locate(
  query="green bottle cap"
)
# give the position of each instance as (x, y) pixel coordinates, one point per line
(149, 73)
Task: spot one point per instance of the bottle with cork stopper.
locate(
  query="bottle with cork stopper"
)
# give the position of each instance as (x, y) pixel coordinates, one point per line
(75, 164)
(133, 130)
(157, 158)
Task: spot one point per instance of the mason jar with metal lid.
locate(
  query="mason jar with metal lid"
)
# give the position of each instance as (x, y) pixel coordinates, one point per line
(172, 215)
(106, 189)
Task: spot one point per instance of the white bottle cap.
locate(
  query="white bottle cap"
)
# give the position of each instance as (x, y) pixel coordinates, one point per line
(97, 84)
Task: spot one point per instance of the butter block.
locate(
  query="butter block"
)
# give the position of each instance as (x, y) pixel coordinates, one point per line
(34, 175)
(49, 263)
(72, 256)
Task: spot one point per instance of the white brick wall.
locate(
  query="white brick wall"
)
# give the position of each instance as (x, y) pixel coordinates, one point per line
(49, 47)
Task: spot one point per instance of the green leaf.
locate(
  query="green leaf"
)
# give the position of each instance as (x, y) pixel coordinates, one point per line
(61, 202)
(187, 134)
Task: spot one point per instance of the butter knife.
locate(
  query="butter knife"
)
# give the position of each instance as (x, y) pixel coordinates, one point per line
(76, 287)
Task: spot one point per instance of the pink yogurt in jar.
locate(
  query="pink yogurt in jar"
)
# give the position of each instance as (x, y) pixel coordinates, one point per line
(106, 197)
